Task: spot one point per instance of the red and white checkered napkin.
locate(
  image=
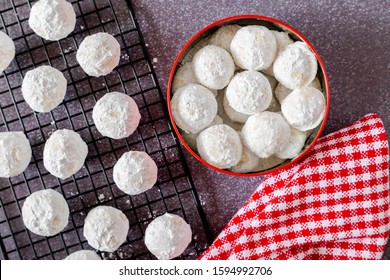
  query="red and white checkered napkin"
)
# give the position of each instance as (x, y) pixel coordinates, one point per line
(333, 204)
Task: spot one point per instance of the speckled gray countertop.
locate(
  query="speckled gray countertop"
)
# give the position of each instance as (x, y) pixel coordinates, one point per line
(350, 36)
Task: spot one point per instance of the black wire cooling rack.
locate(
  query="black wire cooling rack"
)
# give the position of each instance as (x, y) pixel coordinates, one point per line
(93, 184)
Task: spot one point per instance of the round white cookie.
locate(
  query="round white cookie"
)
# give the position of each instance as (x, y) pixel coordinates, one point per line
(274, 106)
(196, 47)
(167, 236)
(15, 153)
(64, 153)
(266, 164)
(316, 84)
(249, 92)
(281, 91)
(116, 115)
(99, 54)
(295, 66)
(294, 145)
(52, 19)
(44, 88)
(224, 36)
(304, 109)
(248, 161)
(7, 51)
(190, 138)
(83, 255)
(282, 41)
(253, 47)
(265, 133)
(233, 114)
(194, 107)
(185, 75)
(45, 212)
(135, 172)
(237, 126)
(272, 81)
(213, 67)
(106, 228)
(220, 145)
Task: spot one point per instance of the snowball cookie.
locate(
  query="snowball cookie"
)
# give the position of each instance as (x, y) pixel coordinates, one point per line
(295, 66)
(106, 228)
(44, 88)
(64, 153)
(7, 51)
(224, 35)
(282, 41)
(265, 133)
(247, 162)
(190, 138)
(249, 92)
(220, 145)
(194, 107)
(15, 153)
(99, 54)
(253, 47)
(116, 115)
(274, 106)
(135, 172)
(268, 163)
(281, 91)
(316, 84)
(272, 81)
(45, 212)
(167, 236)
(213, 67)
(237, 126)
(294, 145)
(52, 19)
(185, 75)
(83, 255)
(233, 114)
(196, 47)
(304, 109)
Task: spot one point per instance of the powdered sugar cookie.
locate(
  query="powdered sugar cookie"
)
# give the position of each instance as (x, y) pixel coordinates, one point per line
(106, 228)
(213, 67)
(193, 107)
(116, 115)
(52, 19)
(295, 67)
(294, 146)
(220, 145)
(224, 36)
(304, 109)
(135, 172)
(265, 133)
(253, 47)
(167, 236)
(249, 92)
(7, 51)
(99, 54)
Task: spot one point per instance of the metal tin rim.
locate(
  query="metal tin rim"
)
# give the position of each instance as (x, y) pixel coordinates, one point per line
(202, 31)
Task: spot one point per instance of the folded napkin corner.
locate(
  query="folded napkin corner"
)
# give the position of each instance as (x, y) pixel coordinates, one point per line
(332, 204)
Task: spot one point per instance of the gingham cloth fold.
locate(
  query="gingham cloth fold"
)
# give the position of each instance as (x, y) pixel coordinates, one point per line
(332, 204)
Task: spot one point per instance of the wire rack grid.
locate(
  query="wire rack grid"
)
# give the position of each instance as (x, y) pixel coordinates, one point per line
(93, 184)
